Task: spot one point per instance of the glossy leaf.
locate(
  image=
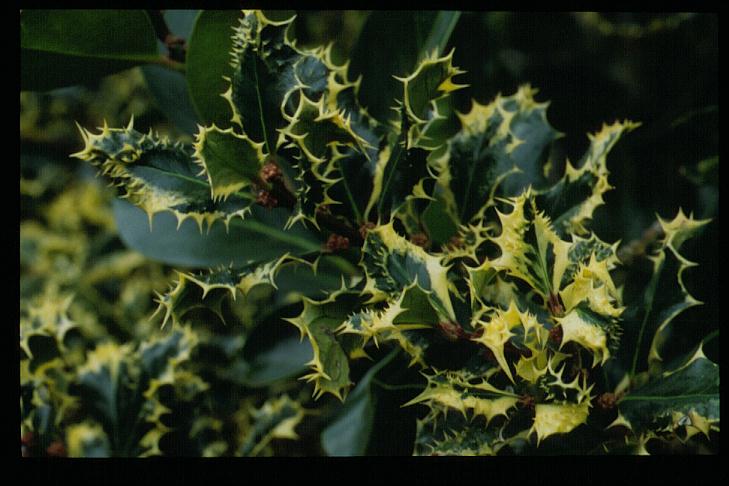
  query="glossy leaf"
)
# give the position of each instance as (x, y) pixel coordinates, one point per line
(349, 431)
(686, 397)
(169, 90)
(64, 47)
(416, 33)
(285, 359)
(246, 241)
(207, 63)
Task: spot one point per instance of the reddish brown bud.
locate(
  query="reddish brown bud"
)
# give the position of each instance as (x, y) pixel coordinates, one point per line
(419, 239)
(607, 401)
(271, 172)
(337, 242)
(555, 334)
(526, 401)
(455, 242)
(452, 332)
(554, 305)
(365, 228)
(323, 210)
(266, 200)
(56, 449)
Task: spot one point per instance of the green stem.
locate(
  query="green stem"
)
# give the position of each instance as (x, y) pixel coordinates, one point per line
(648, 308)
(394, 159)
(260, 109)
(389, 387)
(355, 209)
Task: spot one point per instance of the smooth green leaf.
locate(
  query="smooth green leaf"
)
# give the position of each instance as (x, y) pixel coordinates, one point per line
(65, 47)
(287, 358)
(349, 432)
(254, 240)
(169, 90)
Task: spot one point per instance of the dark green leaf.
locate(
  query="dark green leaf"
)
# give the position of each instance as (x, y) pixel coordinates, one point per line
(349, 432)
(692, 388)
(414, 33)
(169, 90)
(285, 359)
(65, 47)
(207, 61)
(259, 239)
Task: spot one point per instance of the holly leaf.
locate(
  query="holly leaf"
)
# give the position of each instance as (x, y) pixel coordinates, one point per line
(349, 432)
(685, 399)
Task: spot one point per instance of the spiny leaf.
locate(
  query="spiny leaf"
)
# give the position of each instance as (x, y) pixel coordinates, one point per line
(463, 391)
(392, 263)
(590, 330)
(431, 80)
(397, 174)
(440, 434)
(277, 418)
(318, 321)
(685, 398)
(573, 199)
(497, 150)
(159, 176)
(87, 439)
(47, 315)
(665, 295)
(230, 161)
(559, 418)
(397, 322)
(331, 154)
(401, 168)
(270, 74)
(210, 290)
(160, 360)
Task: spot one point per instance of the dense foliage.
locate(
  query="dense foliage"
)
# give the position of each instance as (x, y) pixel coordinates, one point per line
(422, 247)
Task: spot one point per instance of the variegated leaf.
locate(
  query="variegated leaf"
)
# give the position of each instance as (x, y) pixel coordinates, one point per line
(277, 418)
(159, 176)
(318, 321)
(684, 399)
(392, 263)
(653, 308)
(570, 202)
(231, 162)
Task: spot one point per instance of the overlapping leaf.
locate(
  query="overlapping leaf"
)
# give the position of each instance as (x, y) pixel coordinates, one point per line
(157, 175)
(682, 400)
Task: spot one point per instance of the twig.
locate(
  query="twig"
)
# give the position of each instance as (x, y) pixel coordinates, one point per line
(176, 46)
(636, 248)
